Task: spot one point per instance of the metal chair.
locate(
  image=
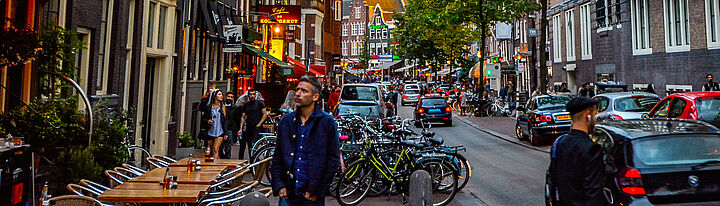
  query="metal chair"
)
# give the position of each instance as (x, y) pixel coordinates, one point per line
(266, 191)
(260, 168)
(136, 169)
(234, 182)
(156, 163)
(74, 200)
(231, 197)
(116, 178)
(127, 172)
(165, 158)
(94, 185)
(82, 191)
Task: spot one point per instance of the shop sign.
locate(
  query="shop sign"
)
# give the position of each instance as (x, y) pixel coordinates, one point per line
(233, 38)
(378, 27)
(285, 14)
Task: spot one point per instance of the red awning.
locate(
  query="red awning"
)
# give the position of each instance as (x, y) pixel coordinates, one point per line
(316, 70)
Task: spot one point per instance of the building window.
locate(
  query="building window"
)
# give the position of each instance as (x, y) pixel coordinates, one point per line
(344, 48)
(104, 50)
(151, 24)
(556, 38)
(354, 30)
(372, 49)
(676, 25)
(358, 12)
(384, 33)
(385, 50)
(361, 29)
(372, 34)
(161, 27)
(602, 13)
(585, 32)
(353, 49)
(570, 34)
(712, 8)
(338, 10)
(344, 30)
(640, 27)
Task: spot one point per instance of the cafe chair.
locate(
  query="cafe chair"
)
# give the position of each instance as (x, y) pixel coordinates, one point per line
(127, 172)
(74, 200)
(231, 197)
(94, 186)
(116, 178)
(260, 168)
(234, 183)
(156, 163)
(133, 168)
(165, 158)
(265, 191)
(82, 191)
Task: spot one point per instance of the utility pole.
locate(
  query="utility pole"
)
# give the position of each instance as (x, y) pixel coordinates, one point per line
(543, 56)
(307, 56)
(533, 56)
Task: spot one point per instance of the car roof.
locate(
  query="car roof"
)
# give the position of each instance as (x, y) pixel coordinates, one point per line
(363, 85)
(563, 94)
(615, 95)
(639, 128)
(694, 95)
(357, 102)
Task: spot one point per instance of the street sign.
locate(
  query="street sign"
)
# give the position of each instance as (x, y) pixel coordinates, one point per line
(290, 35)
(282, 14)
(336, 57)
(287, 71)
(385, 58)
(233, 38)
(533, 32)
(458, 73)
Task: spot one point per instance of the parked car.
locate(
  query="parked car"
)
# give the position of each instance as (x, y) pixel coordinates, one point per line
(364, 92)
(610, 87)
(543, 117)
(433, 108)
(410, 96)
(703, 106)
(657, 161)
(624, 105)
(369, 109)
(412, 86)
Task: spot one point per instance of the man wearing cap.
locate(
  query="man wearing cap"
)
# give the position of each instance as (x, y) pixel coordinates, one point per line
(576, 165)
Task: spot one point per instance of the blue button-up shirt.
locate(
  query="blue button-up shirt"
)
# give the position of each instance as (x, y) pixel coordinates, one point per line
(300, 168)
(216, 130)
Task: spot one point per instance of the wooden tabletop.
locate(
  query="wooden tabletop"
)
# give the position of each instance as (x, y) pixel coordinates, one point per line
(207, 168)
(158, 186)
(231, 163)
(198, 177)
(150, 196)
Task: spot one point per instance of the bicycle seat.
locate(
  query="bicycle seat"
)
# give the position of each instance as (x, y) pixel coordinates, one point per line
(409, 143)
(428, 134)
(436, 141)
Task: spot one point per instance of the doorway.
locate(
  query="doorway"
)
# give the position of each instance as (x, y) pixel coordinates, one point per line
(148, 102)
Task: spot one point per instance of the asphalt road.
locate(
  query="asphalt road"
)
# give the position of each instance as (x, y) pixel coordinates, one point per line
(503, 173)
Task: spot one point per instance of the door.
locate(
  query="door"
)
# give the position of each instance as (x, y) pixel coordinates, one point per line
(678, 108)
(661, 110)
(148, 103)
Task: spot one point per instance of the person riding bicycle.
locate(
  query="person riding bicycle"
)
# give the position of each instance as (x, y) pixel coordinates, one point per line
(464, 101)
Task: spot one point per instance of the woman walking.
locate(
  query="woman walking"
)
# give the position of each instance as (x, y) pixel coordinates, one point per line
(214, 122)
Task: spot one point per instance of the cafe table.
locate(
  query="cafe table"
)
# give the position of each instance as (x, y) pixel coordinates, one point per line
(196, 177)
(168, 196)
(231, 163)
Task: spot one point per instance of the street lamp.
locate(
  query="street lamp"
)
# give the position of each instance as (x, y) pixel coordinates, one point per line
(277, 29)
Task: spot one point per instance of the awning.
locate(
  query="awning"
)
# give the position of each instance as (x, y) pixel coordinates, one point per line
(405, 68)
(267, 56)
(387, 65)
(317, 70)
(476, 71)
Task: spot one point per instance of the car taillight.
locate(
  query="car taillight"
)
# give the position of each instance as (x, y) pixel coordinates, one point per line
(421, 110)
(615, 117)
(545, 118)
(405, 96)
(448, 109)
(418, 96)
(630, 182)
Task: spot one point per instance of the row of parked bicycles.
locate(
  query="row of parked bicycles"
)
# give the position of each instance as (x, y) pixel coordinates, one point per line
(483, 107)
(379, 156)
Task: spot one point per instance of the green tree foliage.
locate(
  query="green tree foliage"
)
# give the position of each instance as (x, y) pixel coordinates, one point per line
(58, 50)
(17, 46)
(364, 54)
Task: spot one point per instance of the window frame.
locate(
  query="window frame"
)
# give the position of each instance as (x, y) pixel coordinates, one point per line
(709, 23)
(585, 32)
(104, 47)
(670, 26)
(358, 12)
(557, 44)
(570, 35)
(637, 25)
(671, 110)
(344, 30)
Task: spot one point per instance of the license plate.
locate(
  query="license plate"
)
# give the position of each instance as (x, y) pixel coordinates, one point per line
(434, 110)
(563, 117)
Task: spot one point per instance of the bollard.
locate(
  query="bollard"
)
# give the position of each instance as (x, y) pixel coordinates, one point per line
(255, 199)
(420, 188)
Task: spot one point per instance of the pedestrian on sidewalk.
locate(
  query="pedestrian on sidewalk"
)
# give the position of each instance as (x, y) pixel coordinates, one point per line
(253, 116)
(564, 88)
(464, 99)
(214, 122)
(306, 155)
(233, 122)
(710, 85)
(393, 100)
(576, 164)
(334, 98)
(586, 90)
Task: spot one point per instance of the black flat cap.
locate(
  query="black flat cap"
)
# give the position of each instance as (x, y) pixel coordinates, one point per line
(579, 104)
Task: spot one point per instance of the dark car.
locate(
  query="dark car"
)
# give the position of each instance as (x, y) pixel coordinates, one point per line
(433, 108)
(658, 161)
(542, 117)
(363, 108)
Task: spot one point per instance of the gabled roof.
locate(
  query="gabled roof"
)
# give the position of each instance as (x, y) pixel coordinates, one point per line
(387, 7)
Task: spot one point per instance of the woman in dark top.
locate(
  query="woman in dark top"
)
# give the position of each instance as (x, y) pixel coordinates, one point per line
(214, 126)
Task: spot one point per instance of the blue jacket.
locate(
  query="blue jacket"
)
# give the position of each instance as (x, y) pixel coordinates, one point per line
(324, 158)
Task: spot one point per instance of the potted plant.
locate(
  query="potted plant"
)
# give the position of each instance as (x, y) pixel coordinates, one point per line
(186, 145)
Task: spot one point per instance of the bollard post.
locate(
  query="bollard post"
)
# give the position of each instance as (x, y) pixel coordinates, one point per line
(420, 188)
(255, 199)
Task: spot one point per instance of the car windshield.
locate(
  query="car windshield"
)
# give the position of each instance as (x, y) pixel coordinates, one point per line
(709, 110)
(368, 110)
(412, 92)
(360, 93)
(676, 149)
(636, 104)
(553, 101)
(433, 102)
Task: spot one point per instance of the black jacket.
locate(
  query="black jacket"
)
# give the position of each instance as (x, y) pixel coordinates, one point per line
(708, 87)
(578, 170)
(206, 115)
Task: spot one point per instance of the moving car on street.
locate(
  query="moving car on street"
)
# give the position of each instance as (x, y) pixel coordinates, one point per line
(410, 96)
(433, 108)
(657, 161)
(624, 105)
(704, 106)
(543, 117)
(364, 92)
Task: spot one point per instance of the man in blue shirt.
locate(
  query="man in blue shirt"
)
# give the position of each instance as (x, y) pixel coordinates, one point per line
(306, 154)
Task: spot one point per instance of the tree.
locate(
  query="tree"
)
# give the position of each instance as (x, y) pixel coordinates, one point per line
(364, 54)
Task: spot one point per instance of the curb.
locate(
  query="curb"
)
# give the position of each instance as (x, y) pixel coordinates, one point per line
(500, 136)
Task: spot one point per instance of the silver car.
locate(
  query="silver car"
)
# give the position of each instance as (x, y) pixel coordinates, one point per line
(624, 105)
(364, 92)
(410, 96)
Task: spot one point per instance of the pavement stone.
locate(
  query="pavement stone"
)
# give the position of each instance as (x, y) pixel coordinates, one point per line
(500, 127)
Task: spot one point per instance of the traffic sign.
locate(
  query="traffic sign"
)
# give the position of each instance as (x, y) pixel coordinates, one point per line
(385, 58)
(457, 73)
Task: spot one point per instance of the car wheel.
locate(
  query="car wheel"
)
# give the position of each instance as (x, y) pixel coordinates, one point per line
(519, 133)
(448, 123)
(534, 139)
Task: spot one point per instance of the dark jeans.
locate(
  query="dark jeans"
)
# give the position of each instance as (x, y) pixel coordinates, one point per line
(301, 201)
(248, 139)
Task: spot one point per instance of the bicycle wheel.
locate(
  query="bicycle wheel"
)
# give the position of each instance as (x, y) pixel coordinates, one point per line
(262, 154)
(260, 143)
(464, 170)
(444, 181)
(354, 183)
